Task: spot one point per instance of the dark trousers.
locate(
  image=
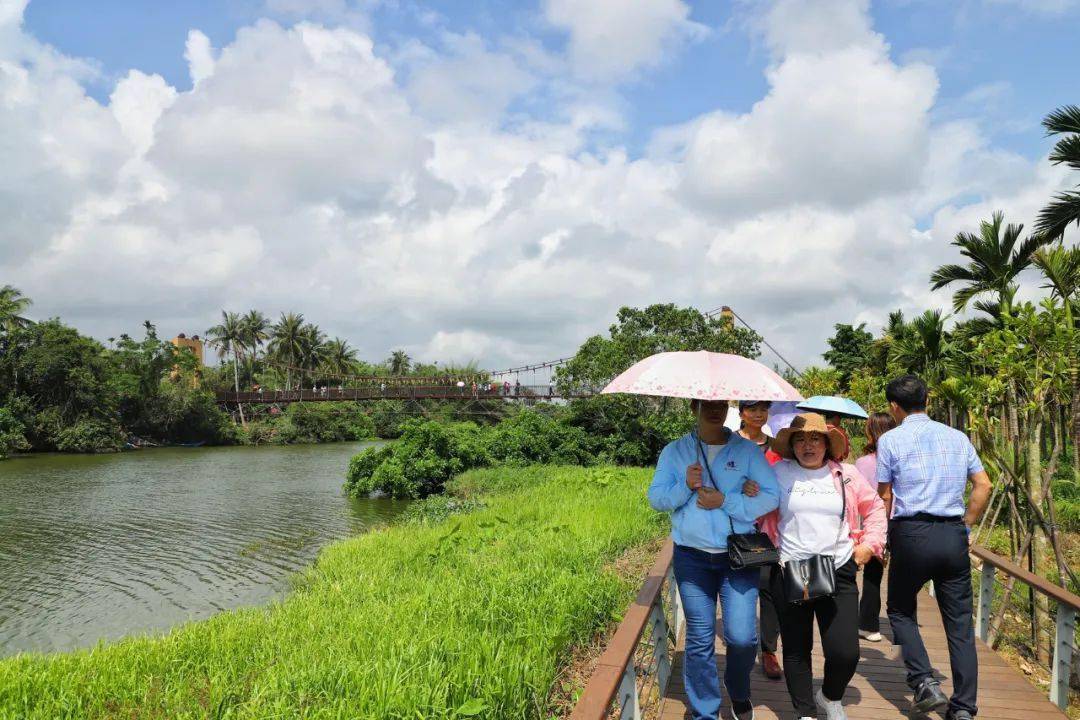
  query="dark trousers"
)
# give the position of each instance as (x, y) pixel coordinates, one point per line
(870, 601)
(924, 550)
(770, 623)
(837, 620)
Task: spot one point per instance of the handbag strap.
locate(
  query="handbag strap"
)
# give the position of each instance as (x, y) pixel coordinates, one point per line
(843, 504)
(705, 461)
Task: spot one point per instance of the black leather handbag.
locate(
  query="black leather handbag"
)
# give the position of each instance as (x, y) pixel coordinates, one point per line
(814, 577)
(750, 550)
(745, 550)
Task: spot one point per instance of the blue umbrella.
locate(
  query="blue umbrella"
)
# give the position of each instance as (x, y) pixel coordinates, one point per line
(833, 405)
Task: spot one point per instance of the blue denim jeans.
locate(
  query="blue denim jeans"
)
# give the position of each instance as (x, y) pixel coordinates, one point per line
(702, 578)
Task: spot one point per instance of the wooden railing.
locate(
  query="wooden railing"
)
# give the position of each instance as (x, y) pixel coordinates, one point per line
(1067, 606)
(632, 674)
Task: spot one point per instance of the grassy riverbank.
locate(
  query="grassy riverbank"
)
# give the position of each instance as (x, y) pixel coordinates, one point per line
(472, 616)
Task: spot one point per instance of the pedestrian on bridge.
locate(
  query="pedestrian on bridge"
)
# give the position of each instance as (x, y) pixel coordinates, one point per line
(752, 418)
(923, 470)
(877, 425)
(829, 517)
(699, 480)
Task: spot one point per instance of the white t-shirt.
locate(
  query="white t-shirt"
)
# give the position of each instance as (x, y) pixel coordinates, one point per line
(810, 522)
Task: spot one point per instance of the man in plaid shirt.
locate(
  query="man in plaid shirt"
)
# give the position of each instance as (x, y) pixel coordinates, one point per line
(923, 469)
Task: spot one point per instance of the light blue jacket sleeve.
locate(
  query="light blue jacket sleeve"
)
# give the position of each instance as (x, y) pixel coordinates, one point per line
(668, 490)
(749, 509)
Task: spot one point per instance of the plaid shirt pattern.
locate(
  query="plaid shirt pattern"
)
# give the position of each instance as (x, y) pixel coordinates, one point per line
(928, 465)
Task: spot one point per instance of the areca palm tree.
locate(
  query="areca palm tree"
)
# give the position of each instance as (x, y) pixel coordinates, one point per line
(338, 357)
(286, 342)
(923, 346)
(12, 304)
(228, 338)
(1061, 268)
(1064, 209)
(995, 257)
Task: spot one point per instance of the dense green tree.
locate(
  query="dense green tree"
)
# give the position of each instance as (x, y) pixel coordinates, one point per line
(1064, 209)
(56, 378)
(816, 381)
(639, 333)
(849, 350)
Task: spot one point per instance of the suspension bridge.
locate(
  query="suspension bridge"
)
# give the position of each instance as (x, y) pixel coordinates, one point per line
(504, 384)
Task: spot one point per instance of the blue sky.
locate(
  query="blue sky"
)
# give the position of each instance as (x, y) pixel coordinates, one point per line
(1000, 61)
(490, 181)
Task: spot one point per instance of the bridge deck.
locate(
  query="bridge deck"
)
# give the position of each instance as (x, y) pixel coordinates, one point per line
(878, 689)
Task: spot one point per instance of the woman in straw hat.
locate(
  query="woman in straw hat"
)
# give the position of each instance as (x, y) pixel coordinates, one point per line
(815, 519)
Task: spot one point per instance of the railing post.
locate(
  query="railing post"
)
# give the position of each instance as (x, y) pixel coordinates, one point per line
(986, 598)
(628, 693)
(1063, 650)
(660, 645)
(675, 601)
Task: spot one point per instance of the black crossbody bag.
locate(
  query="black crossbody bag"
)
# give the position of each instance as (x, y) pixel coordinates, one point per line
(745, 550)
(815, 577)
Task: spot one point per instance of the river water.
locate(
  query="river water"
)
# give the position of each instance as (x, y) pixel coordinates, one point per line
(99, 547)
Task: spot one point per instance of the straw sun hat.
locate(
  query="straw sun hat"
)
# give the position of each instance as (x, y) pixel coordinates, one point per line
(808, 423)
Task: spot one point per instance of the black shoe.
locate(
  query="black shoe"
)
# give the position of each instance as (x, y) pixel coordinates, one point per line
(928, 697)
(958, 715)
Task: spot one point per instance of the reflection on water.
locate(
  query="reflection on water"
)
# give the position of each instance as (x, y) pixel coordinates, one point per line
(104, 546)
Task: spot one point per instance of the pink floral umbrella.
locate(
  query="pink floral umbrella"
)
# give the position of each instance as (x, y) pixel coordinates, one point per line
(703, 375)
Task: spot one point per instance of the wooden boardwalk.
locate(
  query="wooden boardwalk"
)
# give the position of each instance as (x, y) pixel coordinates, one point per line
(879, 690)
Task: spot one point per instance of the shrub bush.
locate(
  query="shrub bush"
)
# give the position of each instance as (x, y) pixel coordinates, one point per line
(11, 434)
(327, 422)
(419, 464)
(89, 435)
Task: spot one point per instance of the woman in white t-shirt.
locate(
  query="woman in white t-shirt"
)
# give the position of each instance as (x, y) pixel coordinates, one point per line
(814, 519)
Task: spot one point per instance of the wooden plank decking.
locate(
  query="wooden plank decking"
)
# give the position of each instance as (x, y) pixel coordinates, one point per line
(878, 689)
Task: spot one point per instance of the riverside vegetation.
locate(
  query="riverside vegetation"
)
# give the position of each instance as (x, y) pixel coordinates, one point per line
(469, 616)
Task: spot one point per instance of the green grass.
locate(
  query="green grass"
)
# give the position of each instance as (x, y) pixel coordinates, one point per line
(471, 617)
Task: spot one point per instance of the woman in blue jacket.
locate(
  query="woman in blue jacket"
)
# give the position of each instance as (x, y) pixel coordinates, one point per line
(699, 480)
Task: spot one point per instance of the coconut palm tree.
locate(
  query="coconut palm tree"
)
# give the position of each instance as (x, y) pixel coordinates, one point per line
(338, 357)
(313, 344)
(256, 327)
(1064, 209)
(286, 342)
(12, 304)
(228, 338)
(399, 362)
(996, 256)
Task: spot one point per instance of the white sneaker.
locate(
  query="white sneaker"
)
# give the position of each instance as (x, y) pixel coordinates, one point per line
(747, 713)
(833, 709)
(871, 636)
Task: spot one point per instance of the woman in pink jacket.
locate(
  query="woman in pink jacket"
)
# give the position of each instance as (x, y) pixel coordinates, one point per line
(809, 522)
